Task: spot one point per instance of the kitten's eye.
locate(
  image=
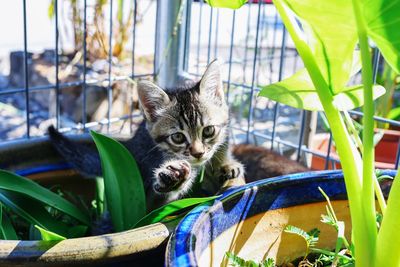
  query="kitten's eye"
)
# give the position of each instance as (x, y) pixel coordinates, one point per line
(178, 138)
(208, 131)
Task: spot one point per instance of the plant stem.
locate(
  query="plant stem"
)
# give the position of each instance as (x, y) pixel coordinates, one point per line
(368, 206)
(377, 188)
(348, 153)
(388, 245)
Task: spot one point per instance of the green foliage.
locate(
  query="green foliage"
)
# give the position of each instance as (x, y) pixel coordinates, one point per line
(382, 24)
(298, 91)
(311, 237)
(37, 213)
(48, 235)
(22, 187)
(236, 261)
(123, 185)
(232, 4)
(172, 208)
(327, 46)
(7, 230)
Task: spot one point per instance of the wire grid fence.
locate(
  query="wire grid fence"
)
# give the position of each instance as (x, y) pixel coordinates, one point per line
(54, 87)
(251, 42)
(257, 51)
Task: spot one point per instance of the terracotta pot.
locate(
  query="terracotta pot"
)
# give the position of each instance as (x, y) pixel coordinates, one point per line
(249, 221)
(37, 160)
(385, 151)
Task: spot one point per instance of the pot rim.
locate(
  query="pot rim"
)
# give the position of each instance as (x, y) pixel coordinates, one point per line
(83, 249)
(177, 253)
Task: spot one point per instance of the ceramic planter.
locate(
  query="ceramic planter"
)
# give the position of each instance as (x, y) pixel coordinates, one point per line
(37, 160)
(249, 221)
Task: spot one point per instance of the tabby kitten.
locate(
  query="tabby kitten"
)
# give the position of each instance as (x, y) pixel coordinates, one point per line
(183, 131)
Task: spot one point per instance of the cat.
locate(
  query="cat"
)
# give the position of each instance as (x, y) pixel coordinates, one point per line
(184, 130)
(260, 162)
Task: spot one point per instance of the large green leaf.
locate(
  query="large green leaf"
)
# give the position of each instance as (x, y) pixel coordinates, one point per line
(13, 182)
(171, 208)
(49, 235)
(383, 23)
(123, 184)
(298, 91)
(232, 4)
(7, 230)
(333, 52)
(32, 211)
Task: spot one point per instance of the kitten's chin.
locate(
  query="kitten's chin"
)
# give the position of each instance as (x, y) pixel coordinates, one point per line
(198, 162)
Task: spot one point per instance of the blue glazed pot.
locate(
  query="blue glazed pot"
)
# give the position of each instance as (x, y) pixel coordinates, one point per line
(249, 220)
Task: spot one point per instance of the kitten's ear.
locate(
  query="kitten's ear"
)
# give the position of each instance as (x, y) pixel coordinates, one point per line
(152, 99)
(211, 82)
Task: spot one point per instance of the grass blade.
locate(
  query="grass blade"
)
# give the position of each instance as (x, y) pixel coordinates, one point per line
(171, 208)
(124, 191)
(13, 182)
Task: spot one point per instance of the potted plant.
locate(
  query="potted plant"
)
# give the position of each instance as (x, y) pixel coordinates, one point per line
(58, 230)
(326, 41)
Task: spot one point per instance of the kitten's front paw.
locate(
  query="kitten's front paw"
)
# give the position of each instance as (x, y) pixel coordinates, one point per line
(232, 174)
(171, 175)
(231, 170)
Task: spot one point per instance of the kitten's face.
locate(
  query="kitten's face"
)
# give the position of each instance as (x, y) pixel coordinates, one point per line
(190, 124)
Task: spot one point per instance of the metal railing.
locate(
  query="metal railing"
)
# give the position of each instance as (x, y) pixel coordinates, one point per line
(263, 47)
(253, 45)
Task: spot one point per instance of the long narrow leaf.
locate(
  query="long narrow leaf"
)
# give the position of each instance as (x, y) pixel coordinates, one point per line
(7, 230)
(32, 211)
(171, 208)
(124, 189)
(16, 183)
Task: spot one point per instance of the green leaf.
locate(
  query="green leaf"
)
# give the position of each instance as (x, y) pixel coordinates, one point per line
(159, 214)
(270, 262)
(383, 24)
(99, 201)
(311, 237)
(7, 230)
(234, 260)
(394, 113)
(48, 235)
(22, 185)
(232, 4)
(77, 231)
(298, 91)
(333, 52)
(123, 183)
(32, 211)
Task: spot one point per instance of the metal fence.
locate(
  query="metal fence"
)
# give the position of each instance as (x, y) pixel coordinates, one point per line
(251, 42)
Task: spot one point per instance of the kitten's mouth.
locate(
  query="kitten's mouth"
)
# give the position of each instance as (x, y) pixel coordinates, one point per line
(198, 162)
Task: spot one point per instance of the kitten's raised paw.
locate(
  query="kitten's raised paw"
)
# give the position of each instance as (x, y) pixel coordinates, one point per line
(171, 175)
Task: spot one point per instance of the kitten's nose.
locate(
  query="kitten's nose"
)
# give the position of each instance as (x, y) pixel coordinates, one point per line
(197, 155)
(196, 150)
